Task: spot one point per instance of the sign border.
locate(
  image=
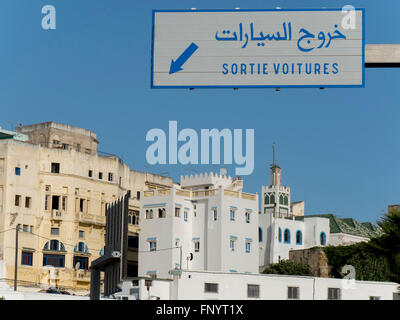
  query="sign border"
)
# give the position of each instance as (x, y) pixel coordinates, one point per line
(154, 11)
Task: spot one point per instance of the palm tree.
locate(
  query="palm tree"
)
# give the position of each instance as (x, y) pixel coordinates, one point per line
(388, 244)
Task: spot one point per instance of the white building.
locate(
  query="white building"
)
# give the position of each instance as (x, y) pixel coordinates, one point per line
(193, 285)
(206, 223)
(283, 226)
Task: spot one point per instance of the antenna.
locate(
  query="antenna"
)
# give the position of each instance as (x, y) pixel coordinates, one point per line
(273, 154)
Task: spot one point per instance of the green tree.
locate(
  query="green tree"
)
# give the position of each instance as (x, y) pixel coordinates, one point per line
(388, 244)
(289, 268)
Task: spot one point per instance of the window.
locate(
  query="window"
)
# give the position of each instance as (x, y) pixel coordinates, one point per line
(333, 293)
(17, 200)
(25, 228)
(90, 173)
(64, 203)
(46, 202)
(260, 235)
(248, 246)
(81, 203)
(153, 245)
(101, 175)
(253, 291)
(299, 237)
(28, 202)
(232, 214)
(133, 217)
(374, 298)
(149, 214)
(396, 296)
(280, 235)
(81, 263)
(138, 195)
(293, 293)
(54, 260)
(232, 244)
(55, 167)
(185, 215)
(30, 229)
(211, 287)
(55, 202)
(197, 246)
(322, 238)
(215, 214)
(81, 234)
(17, 171)
(55, 231)
(177, 212)
(26, 258)
(247, 217)
(110, 176)
(81, 247)
(54, 245)
(286, 236)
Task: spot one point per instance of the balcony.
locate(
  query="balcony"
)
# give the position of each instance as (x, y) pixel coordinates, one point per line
(93, 219)
(81, 275)
(57, 215)
(133, 228)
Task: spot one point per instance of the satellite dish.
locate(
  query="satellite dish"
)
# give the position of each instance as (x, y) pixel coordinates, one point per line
(77, 266)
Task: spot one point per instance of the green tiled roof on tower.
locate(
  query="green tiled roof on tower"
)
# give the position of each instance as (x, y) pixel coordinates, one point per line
(350, 226)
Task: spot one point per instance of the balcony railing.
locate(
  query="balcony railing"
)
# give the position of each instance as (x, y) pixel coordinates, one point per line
(91, 219)
(57, 214)
(82, 275)
(182, 193)
(200, 193)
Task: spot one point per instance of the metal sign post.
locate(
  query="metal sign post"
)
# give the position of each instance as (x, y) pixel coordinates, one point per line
(112, 262)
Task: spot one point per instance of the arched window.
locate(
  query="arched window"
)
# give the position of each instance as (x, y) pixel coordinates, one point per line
(280, 235)
(286, 236)
(54, 245)
(81, 247)
(285, 200)
(266, 199)
(151, 213)
(299, 237)
(322, 238)
(260, 235)
(281, 199)
(272, 199)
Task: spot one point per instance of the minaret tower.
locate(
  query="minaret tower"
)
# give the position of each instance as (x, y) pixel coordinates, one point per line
(276, 198)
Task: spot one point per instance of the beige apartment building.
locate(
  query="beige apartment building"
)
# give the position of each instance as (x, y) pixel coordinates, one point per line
(54, 185)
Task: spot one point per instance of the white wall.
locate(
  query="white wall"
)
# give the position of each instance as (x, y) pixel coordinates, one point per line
(233, 286)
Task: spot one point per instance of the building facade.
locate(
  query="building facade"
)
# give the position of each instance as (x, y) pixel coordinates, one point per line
(54, 186)
(283, 226)
(204, 223)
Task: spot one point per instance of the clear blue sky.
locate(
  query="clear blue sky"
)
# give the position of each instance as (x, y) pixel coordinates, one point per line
(338, 148)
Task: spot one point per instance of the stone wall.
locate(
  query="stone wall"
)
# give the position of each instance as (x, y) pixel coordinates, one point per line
(315, 258)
